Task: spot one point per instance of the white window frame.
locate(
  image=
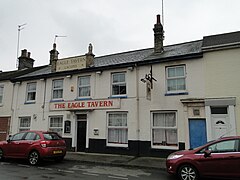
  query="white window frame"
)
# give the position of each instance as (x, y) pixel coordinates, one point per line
(175, 78)
(84, 86)
(57, 89)
(117, 127)
(119, 84)
(1, 93)
(163, 127)
(31, 91)
(52, 125)
(24, 126)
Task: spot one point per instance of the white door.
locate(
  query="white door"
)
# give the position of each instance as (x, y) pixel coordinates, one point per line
(220, 124)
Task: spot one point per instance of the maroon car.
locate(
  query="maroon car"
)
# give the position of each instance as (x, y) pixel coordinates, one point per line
(219, 158)
(34, 146)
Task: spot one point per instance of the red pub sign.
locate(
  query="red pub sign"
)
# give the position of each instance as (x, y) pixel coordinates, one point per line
(85, 104)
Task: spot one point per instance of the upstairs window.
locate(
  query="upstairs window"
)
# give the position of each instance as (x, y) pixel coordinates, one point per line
(84, 88)
(119, 84)
(57, 89)
(176, 79)
(1, 93)
(24, 124)
(31, 92)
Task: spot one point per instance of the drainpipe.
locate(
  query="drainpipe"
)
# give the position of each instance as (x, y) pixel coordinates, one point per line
(44, 98)
(137, 110)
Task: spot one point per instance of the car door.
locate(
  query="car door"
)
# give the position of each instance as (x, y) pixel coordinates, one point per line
(220, 162)
(12, 148)
(26, 143)
(232, 160)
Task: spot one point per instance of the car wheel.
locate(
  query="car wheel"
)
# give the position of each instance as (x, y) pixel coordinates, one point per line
(1, 155)
(187, 172)
(33, 158)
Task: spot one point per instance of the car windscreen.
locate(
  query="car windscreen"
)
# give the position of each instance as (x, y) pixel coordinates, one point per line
(51, 136)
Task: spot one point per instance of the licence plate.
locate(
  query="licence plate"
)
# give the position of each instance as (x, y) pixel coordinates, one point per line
(57, 152)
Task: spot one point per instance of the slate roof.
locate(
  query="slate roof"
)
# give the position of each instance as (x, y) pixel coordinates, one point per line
(221, 40)
(187, 50)
(8, 75)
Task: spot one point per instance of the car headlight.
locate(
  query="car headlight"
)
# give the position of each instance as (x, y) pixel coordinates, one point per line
(174, 156)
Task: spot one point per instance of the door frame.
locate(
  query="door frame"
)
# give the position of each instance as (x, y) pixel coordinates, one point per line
(76, 129)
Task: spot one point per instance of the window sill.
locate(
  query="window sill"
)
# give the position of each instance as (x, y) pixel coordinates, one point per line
(83, 98)
(176, 93)
(30, 102)
(56, 100)
(117, 145)
(119, 96)
(165, 147)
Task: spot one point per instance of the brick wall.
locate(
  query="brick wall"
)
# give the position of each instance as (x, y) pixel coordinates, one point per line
(4, 128)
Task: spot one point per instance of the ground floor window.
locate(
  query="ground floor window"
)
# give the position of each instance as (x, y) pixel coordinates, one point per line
(164, 129)
(56, 124)
(117, 128)
(24, 123)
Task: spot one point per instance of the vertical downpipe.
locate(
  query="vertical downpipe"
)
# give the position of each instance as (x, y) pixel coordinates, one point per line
(137, 110)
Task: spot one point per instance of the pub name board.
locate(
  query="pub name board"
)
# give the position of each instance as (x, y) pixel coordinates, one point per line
(71, 63)
(85, 105)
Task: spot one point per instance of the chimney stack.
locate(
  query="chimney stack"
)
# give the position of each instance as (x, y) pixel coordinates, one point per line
(25, 61)
(53, 58)
(89, 56)
(158, 36)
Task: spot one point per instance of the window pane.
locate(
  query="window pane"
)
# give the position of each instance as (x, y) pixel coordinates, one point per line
(181, 84)
(84, 91)
(1, 94)
(17, 137)
(84, 81)
(30, 136)
(219, 110)
(172, 85)
(118, 136)
(170, 120)
(158, 119)
(225, 146)
(58, 83)
(171, 72)
(179, 71)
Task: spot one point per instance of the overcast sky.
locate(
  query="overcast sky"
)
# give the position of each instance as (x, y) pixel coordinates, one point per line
(112, 26)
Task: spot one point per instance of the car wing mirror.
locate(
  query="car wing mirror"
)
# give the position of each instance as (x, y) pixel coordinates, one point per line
(207, 153)
(9, 138)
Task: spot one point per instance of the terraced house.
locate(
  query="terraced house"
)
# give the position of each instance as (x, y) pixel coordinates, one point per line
(147, 102)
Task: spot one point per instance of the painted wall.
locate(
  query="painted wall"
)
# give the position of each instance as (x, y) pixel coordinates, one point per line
(222, 77)
(5, 107)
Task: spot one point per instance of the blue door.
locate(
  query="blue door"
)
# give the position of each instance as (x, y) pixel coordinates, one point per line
(197, 132)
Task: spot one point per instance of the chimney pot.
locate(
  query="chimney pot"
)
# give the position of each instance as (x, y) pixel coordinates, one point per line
(29, 54)
(24, 53)
(158, 19)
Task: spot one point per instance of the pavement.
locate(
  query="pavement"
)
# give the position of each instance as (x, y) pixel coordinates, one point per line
(117, 160)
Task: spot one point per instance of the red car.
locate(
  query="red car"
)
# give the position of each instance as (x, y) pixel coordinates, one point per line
(219, 158)
(34, 146)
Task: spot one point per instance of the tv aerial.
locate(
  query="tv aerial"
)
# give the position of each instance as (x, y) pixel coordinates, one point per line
(57, 36)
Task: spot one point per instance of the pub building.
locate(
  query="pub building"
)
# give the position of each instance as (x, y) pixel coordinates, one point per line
(134, 103)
